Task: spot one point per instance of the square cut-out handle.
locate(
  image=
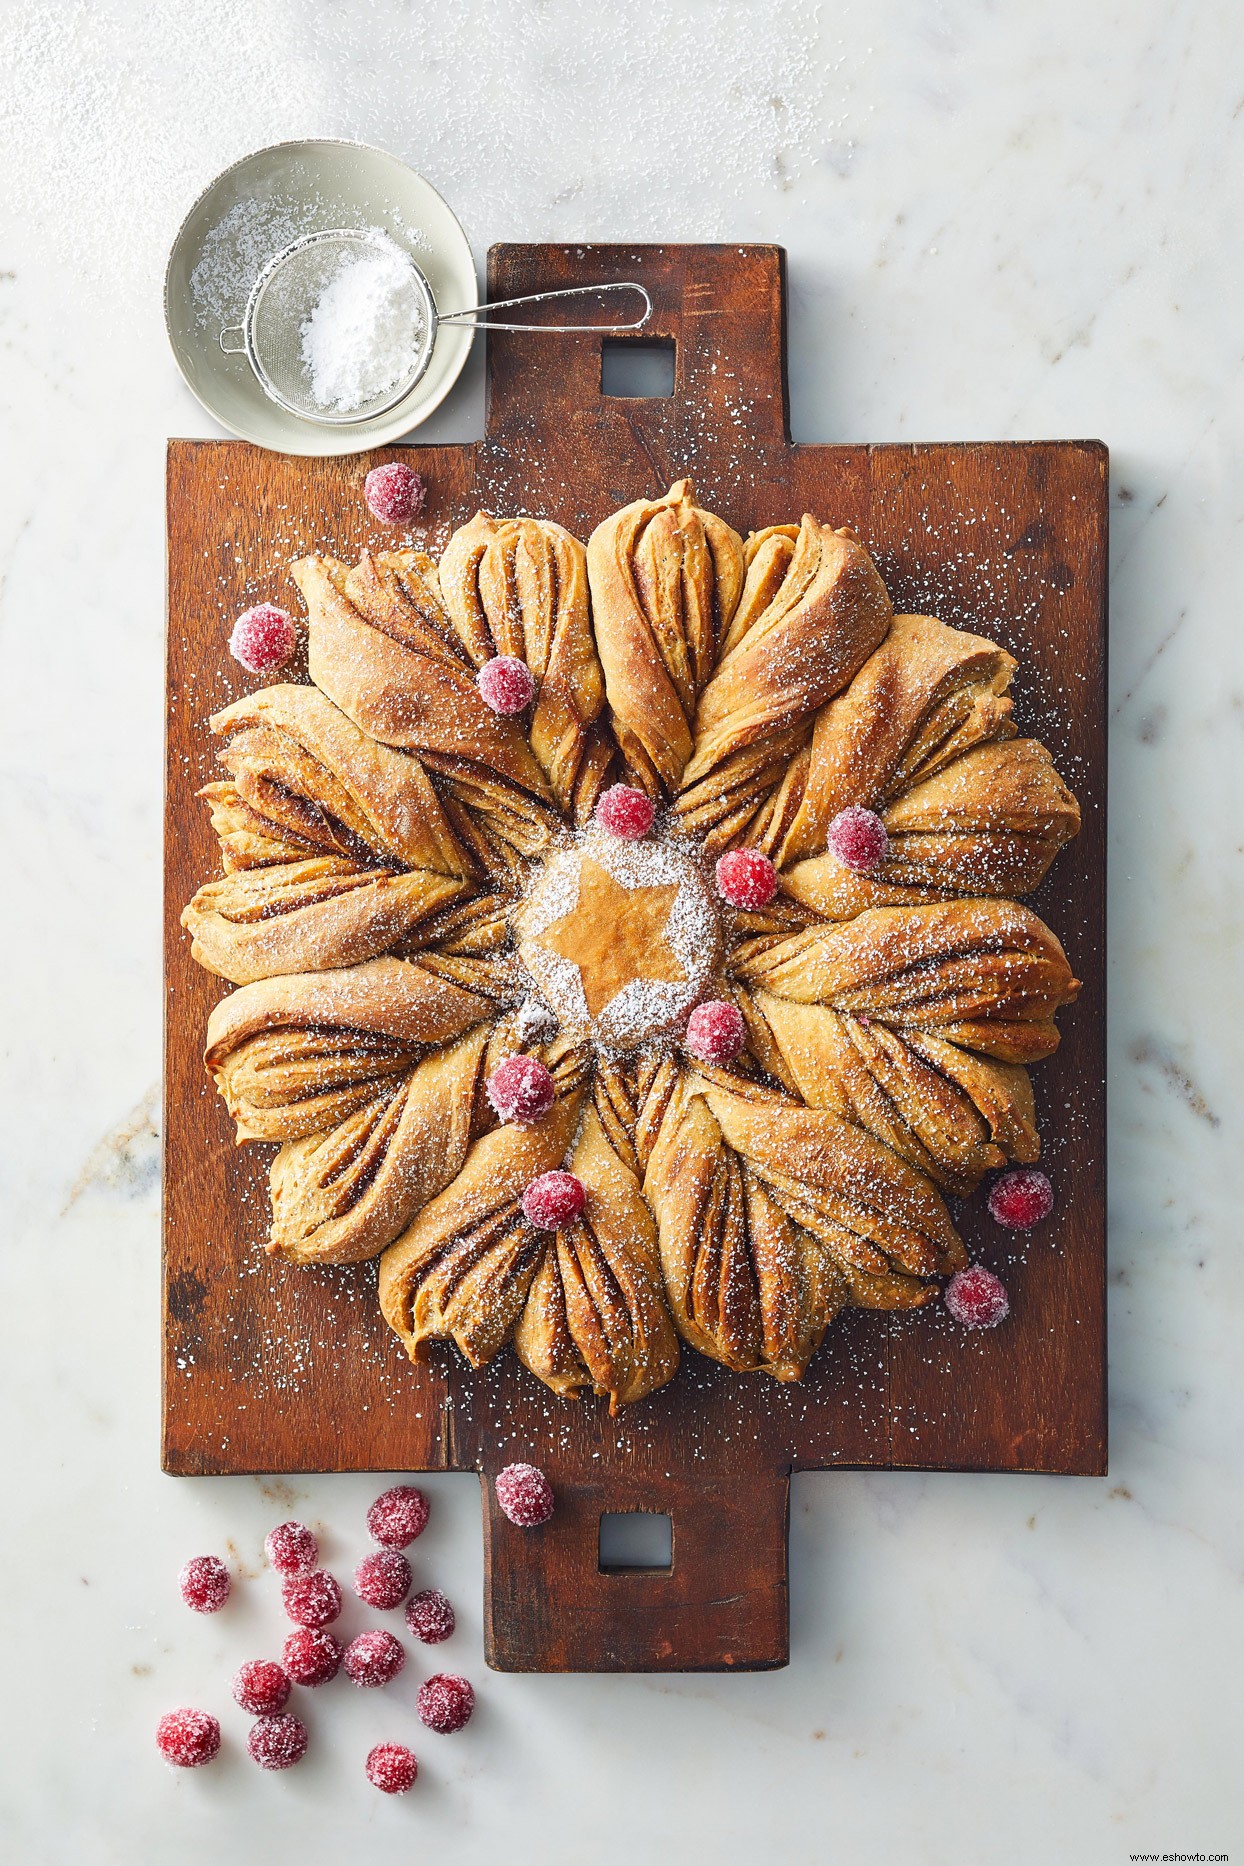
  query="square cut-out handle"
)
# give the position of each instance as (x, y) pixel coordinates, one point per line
(638, 368)
(582, 1593)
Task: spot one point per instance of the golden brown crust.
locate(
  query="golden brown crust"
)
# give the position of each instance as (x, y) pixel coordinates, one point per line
(665, 577)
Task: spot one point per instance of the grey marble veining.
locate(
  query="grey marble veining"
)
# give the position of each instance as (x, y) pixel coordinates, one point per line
(1001, 222)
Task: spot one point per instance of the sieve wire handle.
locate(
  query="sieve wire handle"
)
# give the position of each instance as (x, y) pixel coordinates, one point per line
(534, 298)
(233, 349)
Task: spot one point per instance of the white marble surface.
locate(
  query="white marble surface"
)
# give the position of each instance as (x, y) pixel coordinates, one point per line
(1001, 221)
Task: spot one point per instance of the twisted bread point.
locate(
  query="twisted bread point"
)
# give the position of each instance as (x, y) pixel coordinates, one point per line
(382, 648)
(746, 1285)
(308, 916)
(595, 1316)
(812, 610)
(306, 781)
(924, 736)
(518, 586)
(665, 577)
(913, 1022)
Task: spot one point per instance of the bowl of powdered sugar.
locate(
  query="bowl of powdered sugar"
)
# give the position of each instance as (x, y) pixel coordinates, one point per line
(301, 298)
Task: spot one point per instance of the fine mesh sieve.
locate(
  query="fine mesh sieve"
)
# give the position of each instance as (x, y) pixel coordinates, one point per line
(291, 285)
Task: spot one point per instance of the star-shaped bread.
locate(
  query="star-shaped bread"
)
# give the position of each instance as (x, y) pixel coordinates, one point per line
(615, 935)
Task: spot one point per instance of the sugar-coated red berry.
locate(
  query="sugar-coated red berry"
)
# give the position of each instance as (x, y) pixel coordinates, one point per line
(188, 1738)
(398, 1516)
(506, 684)
(553, 1201)
(521, 1090)
(857, 839)
(976, 1298)
(1021, 1199)
(626, 812)
(311, 1599)
(394, 493)
(263, 638)
(373, 1658)
(311, 1657)
(445, 1702)
(716, 1031)
(261, 1686)
(525, 1495)
(746, 878)
(392, 1768)
(205, 1583)
(382, 1579)
(429, 1616)
(291, 1548)
(277, 1742)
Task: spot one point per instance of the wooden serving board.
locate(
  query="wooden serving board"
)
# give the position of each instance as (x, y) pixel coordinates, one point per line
(274, 1368)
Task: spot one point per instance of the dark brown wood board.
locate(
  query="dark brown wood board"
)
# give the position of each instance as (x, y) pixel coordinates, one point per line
(269, 1367)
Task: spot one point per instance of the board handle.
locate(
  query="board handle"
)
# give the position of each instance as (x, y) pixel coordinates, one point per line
(721, 1605)
(720, 309)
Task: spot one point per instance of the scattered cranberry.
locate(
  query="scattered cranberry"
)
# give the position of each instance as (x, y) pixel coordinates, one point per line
(626, 812)
(553, 1201)
(394, 493)
(857, 838)
(392, 1768)
(382, 1579)
(445, 1703)
(716, 1031)
(429, 1616)
(506, 684)
(291, 1548)
(1021, 1199)
(188, 1738)
(746, 878)
(525, 1495)
(311, 1658)
(204, 1584)
(277, 1742)
(263, 638)
(312, 1599)
(976, 1298)
(260, 1686)
(398, 1516)
(521, 1090)
(373, 1658)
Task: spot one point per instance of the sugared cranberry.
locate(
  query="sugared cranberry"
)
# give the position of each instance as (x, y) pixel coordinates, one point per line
(291, 1548)
(277, 1742)
(311, 1658)
(398, 1516)
(525, 1495)
(1021, 1199)
(521, 1090)
(188, 1738)
(312, 1599)
(506, 684)
(394, 493)
(261, 1686)
(553, 1201)
(746, 878)
(382, 1579)
(429, 1616)
(392, 1768)
(445, 1703)
(716, 1031)
(263, 638)
(857, 839)
(205, 1583)
(626, 812)
(976, 1298)
(373, 1658)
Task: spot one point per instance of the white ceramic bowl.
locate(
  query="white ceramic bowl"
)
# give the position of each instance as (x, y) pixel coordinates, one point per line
(271, 197)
